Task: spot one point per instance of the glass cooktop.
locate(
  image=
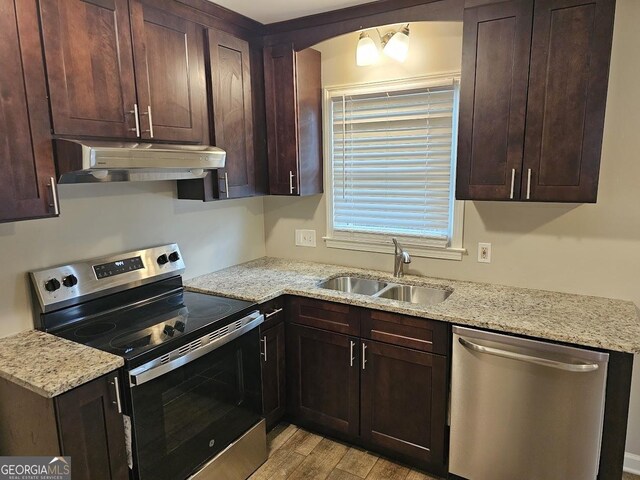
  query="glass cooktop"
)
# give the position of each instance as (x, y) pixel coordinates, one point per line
(179, 318)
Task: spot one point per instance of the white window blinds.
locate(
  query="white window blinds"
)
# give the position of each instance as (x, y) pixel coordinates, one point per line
(392, 161)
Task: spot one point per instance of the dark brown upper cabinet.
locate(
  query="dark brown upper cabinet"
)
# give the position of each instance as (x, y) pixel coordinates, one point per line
(293, 94)
(570, 54)
(170, 75)
(27, 183)
(230, 70)
(87, 46)
(532, 100)
(231, 104)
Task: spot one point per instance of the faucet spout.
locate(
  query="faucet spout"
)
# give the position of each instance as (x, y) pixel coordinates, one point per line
(401, 258)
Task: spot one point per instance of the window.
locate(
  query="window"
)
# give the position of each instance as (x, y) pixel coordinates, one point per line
(390, 150)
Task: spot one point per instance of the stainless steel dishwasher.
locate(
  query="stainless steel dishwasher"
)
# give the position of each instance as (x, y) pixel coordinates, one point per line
(524, 409)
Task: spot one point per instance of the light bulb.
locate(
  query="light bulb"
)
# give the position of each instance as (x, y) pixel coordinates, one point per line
(366, 52)
(397, 47)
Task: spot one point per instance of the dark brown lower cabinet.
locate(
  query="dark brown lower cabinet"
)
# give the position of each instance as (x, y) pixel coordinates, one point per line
(273, 374)
(323, 380)
(83, 423)
(403, 403)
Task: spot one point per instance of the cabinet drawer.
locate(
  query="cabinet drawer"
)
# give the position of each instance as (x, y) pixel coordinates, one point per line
(329, 316)
(273, 312)
(405, 331)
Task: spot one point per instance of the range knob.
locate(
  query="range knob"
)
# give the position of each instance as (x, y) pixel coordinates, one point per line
(70, 281)
(162, 259)
(174, 257)
(169, 330)
(52, 285)
(180, 326)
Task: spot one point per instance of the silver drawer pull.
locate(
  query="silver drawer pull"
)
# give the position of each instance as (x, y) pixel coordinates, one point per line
(117, 388)
(264, 353)
(529, 184)
(547, 362)
(136, 115)
(364, 355)
(54, 195)
(513, 182)
(271, 314)
(352, 358)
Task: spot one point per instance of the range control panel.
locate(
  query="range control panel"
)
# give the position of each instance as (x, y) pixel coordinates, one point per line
(66, 285)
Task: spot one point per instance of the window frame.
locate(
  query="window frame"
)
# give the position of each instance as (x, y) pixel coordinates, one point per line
(381, 242)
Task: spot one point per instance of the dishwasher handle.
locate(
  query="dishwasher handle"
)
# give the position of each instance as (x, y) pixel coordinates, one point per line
(547, 362)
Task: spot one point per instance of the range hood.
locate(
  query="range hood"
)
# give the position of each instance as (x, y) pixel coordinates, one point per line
(92, 161)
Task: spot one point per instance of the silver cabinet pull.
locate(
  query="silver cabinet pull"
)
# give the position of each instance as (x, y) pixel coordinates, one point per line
(547, 362)
(148, 113)
(271, 314)
(117, 388)
(513, 181)
(528, 184)
(291, 182)
(364, 355)
(54, 195)
(352, 358)
(226, 183)
(264, 353)
(136, 115)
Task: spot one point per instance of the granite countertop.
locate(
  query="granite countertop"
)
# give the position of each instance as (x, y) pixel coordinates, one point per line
(50, 365)
(582, 320)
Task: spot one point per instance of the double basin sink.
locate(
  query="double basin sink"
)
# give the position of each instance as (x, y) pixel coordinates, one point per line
(392, 291)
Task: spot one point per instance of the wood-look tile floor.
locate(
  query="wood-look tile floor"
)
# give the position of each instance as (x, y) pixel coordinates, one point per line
(295, 454)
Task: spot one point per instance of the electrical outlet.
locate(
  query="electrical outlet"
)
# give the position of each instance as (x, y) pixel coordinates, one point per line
(305, 238)
(484, 252)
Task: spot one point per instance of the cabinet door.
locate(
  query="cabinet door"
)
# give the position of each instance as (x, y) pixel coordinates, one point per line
(230, 72)
(493, 98)
(87, 45)
(170, 76)
(273, 374)
(323, 380)
(92, 431)
(404, 403)
(570, 57)
(282, 127)
(26, 158)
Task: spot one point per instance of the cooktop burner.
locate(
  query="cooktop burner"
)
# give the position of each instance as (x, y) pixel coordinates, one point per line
(132, 332)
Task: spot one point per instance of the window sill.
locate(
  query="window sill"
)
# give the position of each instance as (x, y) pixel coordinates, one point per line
(415, 250)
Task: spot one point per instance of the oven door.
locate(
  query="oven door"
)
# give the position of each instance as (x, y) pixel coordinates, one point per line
(196, 407)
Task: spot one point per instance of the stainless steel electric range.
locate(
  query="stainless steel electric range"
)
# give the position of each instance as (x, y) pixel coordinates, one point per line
(191, 396)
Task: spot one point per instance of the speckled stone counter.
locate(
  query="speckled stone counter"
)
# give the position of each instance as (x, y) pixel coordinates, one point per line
(577, 319)
(49, 365)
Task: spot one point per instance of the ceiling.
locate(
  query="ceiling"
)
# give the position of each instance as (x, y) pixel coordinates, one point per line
(270, 11)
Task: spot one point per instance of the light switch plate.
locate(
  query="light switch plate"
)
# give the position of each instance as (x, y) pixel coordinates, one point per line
(305, 238)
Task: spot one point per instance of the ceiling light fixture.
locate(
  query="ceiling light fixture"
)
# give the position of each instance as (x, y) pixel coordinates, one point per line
(396, 44)
(366, 51)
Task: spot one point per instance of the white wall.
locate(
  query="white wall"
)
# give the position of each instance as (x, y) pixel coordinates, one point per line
(586, 249)
(108, 218)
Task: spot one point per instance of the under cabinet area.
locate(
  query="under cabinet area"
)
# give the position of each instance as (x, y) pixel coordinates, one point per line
(388, 394)
(85, 423)
(532, 99)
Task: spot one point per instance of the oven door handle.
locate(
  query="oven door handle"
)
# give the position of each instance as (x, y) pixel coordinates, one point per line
(155, 368)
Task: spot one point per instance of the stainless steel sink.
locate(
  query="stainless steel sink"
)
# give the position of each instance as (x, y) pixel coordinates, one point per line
(414, 294)
(363, 286)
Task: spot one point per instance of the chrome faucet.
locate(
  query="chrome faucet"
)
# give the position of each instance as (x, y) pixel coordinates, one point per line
(401, 258)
